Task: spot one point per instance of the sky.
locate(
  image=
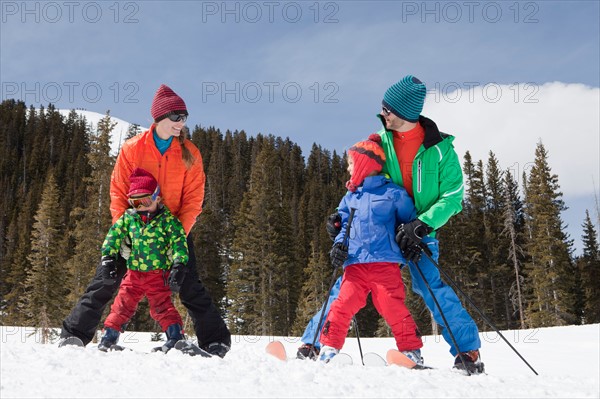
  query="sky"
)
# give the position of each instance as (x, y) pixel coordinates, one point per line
(30, 369)
(501, 75)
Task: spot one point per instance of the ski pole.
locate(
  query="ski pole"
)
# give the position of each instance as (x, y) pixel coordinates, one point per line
(443, 316)
(346, 235)
(428, 253)
(362, 359)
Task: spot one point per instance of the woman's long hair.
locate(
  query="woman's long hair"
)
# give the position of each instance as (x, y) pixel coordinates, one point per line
(186, 154)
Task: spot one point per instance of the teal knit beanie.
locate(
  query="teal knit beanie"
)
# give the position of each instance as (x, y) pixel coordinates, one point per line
(405, 99)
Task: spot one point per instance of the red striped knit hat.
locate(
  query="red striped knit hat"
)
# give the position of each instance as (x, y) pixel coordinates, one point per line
(141, 182)
(166, 101)
(368, 157)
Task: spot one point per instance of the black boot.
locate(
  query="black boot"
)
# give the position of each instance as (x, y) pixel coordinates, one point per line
(307, 351)
(472, 360)
(217, 349)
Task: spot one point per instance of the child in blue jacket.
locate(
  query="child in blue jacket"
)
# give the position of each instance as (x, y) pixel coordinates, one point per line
(371, 257)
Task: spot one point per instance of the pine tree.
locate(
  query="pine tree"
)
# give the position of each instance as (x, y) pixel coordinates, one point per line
(45, 278)
(258, 286)
(549, 271)
(209, 240)
(589, 264)
(314, 290)
(13, 306)
(133, 130)
(513, 230)
(93, 219)
(323, 189)
(498, 272)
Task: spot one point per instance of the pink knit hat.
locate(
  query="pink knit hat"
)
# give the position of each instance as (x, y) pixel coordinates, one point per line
(166, 101)
(141, 182)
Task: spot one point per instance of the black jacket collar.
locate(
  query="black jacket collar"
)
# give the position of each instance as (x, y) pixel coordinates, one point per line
(432, 134)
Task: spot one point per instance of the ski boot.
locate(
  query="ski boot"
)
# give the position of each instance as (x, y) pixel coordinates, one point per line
(328, 353)
(307, 351)
(109, 339)
(472, 362)
(415, 356)
(70, 341)
(174, 334)
(217, 349)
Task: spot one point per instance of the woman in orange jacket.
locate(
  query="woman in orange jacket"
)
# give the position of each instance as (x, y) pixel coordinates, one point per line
(176, 163)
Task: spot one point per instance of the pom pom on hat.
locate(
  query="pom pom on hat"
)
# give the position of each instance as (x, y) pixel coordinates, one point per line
(405, 98)
(166, 101)
(368, 157)
(141, 183)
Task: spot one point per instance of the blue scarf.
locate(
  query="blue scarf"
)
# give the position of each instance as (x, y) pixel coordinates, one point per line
(162, 145)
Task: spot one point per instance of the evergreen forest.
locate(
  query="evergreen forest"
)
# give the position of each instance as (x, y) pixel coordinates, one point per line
(260, 241)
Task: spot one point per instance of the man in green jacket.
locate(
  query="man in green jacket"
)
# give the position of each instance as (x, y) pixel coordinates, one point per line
(422, 160)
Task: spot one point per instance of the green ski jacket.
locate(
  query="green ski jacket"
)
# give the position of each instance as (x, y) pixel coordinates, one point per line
(437, 176)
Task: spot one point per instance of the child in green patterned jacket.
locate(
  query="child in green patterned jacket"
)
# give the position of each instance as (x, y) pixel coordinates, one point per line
(156, 265)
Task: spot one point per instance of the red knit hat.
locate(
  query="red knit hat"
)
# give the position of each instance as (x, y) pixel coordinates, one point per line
(141, 182)
(368, 157)
(166, 101)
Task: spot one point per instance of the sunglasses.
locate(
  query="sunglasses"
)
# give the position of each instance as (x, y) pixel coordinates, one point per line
(386, 111)
(173, 117)
(144, 201)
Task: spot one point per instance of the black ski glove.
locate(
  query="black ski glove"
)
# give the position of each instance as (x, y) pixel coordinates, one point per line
(109, 268)
(338, 255)
(412, 253)
(412, 233)
(334, 225)
(176, 277)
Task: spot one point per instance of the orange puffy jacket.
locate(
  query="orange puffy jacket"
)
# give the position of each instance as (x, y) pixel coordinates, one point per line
(181, 189)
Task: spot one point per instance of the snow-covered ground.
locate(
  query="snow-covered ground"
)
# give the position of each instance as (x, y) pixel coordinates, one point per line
(566, 358)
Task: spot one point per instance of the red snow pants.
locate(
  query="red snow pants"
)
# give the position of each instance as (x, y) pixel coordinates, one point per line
(134, 286)
(384, 281)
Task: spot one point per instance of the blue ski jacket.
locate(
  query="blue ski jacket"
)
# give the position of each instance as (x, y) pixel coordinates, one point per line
(380, 206)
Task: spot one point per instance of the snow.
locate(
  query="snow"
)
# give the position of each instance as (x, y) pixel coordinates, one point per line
(92, 118)
(566, 358)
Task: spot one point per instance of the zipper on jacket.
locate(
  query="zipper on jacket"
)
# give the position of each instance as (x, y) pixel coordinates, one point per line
(419, 176)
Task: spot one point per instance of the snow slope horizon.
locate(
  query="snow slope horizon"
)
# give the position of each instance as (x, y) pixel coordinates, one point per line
(30, 369)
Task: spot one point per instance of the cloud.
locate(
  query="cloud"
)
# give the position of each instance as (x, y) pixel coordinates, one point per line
(511, 119)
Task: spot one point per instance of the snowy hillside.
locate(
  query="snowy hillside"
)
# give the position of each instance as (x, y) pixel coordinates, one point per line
(119, 132)
(566, 358)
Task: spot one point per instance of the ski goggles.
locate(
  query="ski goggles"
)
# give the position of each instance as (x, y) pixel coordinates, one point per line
(144, 201)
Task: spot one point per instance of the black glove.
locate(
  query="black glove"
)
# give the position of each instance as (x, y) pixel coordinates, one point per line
(176, 277)
(412, 233)
(412, 253)
(338, 255)
(334, 225)
(109, 267)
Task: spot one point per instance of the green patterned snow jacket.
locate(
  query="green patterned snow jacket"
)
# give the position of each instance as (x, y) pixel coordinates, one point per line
(156, 245)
